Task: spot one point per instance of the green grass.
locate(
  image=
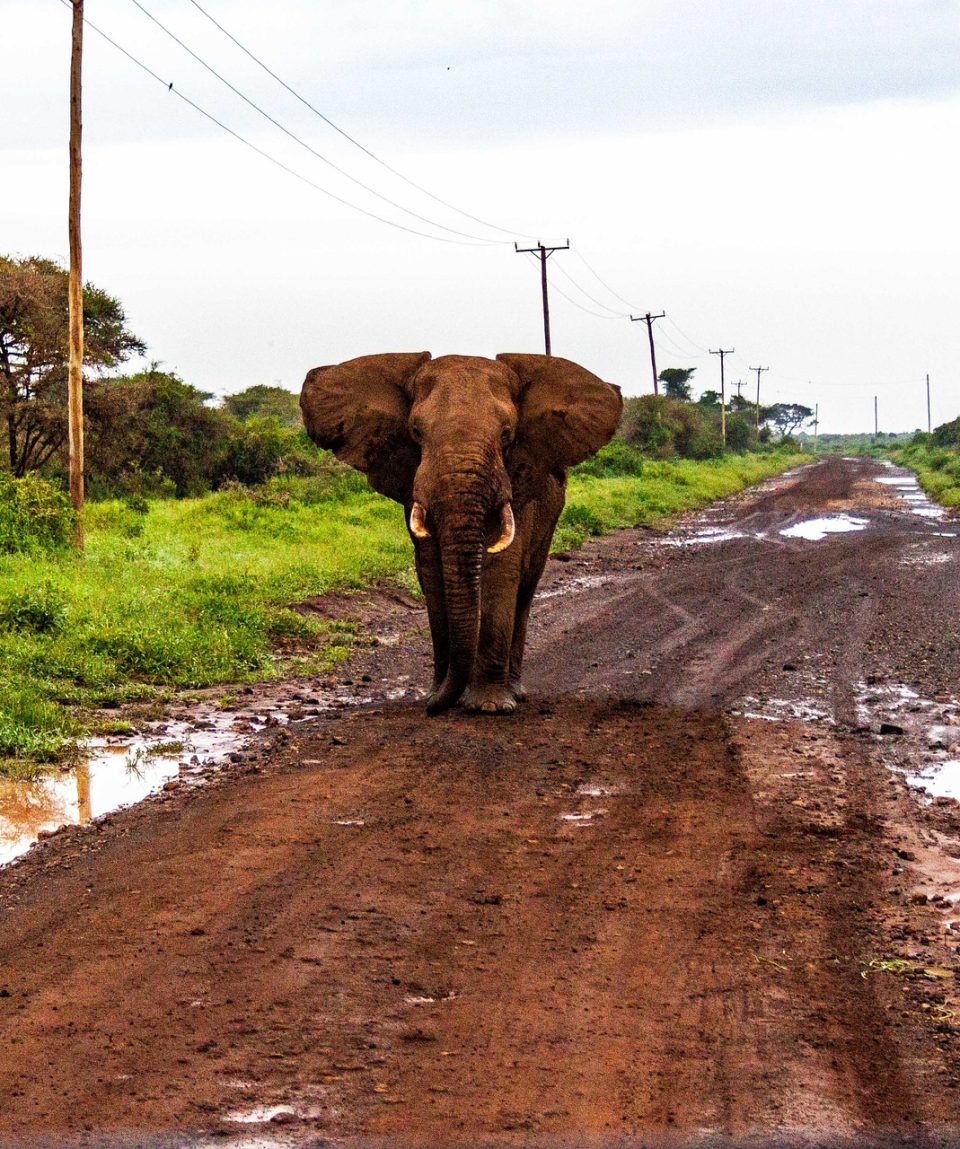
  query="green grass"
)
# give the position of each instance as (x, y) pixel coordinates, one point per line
(937, 469)
(663, 489)
(193, 593)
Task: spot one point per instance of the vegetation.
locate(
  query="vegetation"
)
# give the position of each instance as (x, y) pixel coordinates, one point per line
(210, 521)
(935, 458)
(33, 354)
(198, 591)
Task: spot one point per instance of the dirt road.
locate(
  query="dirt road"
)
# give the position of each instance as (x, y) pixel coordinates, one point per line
(685, 897)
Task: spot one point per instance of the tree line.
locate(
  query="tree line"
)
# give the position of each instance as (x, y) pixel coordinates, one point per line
(150, 433)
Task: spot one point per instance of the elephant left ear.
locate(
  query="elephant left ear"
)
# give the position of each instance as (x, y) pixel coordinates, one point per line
(566, 413)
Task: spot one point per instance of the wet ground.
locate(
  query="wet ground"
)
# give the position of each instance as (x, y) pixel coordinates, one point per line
(701, 890)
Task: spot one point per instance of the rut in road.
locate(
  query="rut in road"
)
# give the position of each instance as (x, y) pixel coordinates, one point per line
(631, 915)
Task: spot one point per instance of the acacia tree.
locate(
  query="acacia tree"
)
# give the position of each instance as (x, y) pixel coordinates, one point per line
(676, 382)
(787, 417)
(33, 354)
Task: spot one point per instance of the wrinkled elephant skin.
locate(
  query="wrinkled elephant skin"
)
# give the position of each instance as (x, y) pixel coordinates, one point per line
(477, 451)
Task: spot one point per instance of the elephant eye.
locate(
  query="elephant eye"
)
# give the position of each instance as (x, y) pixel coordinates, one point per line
(505, 436)
(416, 434)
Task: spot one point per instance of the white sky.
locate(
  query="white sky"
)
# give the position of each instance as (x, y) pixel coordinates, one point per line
(780, 178)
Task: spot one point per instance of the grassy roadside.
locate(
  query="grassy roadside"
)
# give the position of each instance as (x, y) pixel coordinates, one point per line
(192, 593)
(937, 469)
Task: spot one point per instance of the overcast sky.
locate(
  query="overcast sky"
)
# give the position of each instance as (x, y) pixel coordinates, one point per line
(779, 176)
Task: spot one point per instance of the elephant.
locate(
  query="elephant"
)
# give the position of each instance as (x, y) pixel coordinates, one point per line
(476, 450)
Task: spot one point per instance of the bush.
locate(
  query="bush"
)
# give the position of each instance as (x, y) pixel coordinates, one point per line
(34, 515)
(663, 428)
(40, 609)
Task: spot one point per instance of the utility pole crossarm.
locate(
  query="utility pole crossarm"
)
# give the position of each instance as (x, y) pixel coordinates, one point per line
(648, 319)
(543, 253)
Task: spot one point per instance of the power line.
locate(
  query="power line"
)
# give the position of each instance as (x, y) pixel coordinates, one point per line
(303, 144)
(603, 282)
(583, 291)
(692, 342)
(346, 135)
(266, 155)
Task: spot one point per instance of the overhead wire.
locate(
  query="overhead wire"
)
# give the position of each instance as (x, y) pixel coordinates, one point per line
(603, 282)
(692, 342)
(303, 143)
(563, 271)
(266, 155)
(569, 298)
(346, 135)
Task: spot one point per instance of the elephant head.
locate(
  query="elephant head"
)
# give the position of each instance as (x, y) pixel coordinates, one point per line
(460, 441)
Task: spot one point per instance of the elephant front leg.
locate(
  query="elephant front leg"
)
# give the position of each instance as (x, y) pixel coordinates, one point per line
(430, 576)
(489, 690)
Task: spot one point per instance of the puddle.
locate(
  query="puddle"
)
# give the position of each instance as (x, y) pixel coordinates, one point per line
(939, 780)
(123, 770)
(781, 709)
(575, 585)
(582, 819)
(927, 752)
(262, 1114)
(813, 530)
(706, 535)
(908, 489)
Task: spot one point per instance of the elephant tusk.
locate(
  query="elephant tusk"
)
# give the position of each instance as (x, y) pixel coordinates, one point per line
(418, 522)
(506, 532)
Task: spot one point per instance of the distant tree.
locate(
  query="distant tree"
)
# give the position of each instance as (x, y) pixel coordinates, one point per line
(33, 354)
(709, 399)
(676, 382)
(266, 403)
(787, 417)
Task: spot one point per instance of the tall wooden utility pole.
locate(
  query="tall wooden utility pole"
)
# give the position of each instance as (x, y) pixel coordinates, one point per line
(816, 425)
(648, 320)
(723, 393)
(876, 421)
(929, 423)
(758, 370)
(544, 253)
(75, 286)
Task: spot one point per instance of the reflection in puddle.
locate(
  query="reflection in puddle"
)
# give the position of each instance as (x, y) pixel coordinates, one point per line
(780, 709)
(939, 779)
(813, 530)
(582, 819)
(909, 490)
(575, 585)
(707, 535)
(121, 770)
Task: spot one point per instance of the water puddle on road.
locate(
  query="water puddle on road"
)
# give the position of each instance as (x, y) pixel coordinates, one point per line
(122, 770)
(908, 490)
(813, 530)
(705, 536)
(921, 735)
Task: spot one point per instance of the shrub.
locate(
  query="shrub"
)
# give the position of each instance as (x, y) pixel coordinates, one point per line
(34, 515)
(40, 608)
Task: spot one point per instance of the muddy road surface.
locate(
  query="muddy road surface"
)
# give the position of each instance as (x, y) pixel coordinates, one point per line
(692, 894)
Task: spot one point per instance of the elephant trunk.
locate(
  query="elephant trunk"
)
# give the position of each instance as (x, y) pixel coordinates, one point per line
(461, 559)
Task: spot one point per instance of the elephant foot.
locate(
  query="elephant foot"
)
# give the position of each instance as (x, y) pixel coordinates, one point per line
(489, 699)
(442, 697)
(518, 690)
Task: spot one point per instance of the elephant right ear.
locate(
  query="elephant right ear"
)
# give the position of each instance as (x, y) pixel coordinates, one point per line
(359, 410)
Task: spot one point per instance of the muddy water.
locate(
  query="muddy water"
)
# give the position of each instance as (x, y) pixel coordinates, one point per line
(122, 770)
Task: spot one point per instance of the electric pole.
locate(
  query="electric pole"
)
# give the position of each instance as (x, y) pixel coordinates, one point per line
(543, 254)
(723, 393)
(75, 283)
(929, 424)
(758, 370)
(816, 425)
(876, 422)
(648, 320)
